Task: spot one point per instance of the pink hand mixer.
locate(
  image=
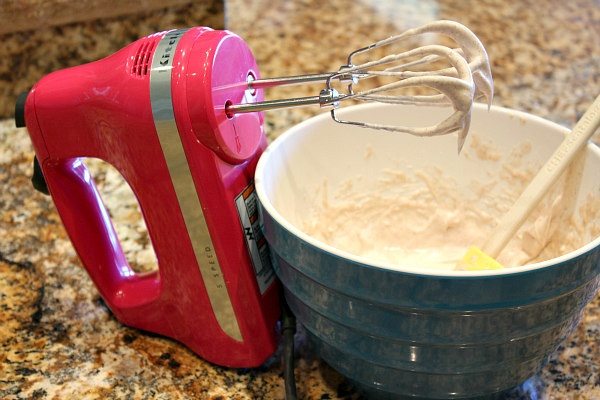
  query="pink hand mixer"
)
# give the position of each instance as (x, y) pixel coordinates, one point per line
(177, 113)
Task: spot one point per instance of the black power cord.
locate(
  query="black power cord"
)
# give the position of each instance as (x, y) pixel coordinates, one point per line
(288, 330)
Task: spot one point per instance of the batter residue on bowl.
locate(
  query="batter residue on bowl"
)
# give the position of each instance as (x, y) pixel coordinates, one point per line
(423, 219)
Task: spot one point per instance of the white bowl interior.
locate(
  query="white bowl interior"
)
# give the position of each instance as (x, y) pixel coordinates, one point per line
(293, 168)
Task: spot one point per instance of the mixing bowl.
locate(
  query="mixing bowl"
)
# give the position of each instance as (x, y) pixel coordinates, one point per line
(407, 329)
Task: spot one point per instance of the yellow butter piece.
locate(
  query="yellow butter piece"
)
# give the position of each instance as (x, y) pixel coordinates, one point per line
(476, 260)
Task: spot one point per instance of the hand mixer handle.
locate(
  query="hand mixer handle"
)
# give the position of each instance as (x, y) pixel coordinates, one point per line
(92, 233)
(77, 199)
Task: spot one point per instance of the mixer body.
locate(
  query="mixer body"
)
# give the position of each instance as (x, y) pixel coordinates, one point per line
(155, 111)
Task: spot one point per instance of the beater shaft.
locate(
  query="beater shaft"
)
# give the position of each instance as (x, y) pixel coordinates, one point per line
(272, 105)
(288, 80)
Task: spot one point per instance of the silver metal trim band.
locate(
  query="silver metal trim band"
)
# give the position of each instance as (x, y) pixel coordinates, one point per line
(181, 176)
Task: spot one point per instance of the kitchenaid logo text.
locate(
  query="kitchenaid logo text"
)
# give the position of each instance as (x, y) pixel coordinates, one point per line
(173, 38)
(574, 139)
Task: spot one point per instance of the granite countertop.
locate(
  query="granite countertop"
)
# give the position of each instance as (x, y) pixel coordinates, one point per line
(51, 43)
(58, 340)
(31, 14)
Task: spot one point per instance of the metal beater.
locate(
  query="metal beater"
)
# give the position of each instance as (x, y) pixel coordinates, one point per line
(466, 77)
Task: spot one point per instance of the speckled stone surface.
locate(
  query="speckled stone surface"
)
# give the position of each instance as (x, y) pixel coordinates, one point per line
(59, 341)
(34, 14)
(29, 55)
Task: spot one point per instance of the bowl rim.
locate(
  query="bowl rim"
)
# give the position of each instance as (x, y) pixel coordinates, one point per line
(423, 271)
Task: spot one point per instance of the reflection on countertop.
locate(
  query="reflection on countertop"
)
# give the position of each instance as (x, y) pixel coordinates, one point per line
(57, 338)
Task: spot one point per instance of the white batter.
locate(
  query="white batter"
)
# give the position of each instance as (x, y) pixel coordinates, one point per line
(421, 219)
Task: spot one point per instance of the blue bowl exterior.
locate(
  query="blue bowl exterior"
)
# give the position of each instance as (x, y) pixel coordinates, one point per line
(393, 332)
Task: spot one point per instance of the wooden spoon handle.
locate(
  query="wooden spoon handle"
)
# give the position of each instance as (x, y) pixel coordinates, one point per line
(538, 187)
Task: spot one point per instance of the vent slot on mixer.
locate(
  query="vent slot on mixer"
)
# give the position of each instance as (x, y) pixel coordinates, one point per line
(142, 59)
